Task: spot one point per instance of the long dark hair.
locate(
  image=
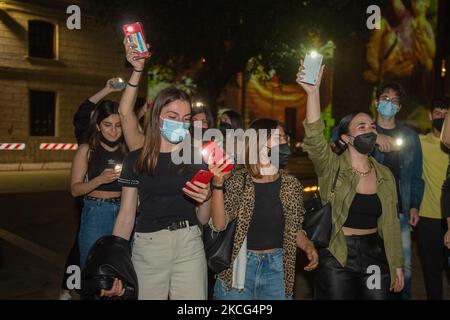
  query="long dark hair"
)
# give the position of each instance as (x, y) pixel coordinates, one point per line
(235, 118)
(148, 158)
(103, 110)
(343, 128)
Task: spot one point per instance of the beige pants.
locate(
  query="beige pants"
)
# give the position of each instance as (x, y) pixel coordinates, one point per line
(170, 264)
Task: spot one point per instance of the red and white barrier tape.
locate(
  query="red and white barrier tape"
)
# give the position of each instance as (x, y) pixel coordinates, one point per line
(12, 146)
(58, 146)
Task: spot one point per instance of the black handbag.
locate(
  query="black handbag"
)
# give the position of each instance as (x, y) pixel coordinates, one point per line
(219, 247)
(318, 219)
(109, 258)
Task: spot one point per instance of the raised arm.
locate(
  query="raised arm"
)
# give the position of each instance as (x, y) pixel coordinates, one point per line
(83, 115)
(130, 125)
(315, 144)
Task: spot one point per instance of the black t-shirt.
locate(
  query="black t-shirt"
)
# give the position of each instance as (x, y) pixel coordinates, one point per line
(267, 226)
(392, 161)
(101, 159)
(161, 198)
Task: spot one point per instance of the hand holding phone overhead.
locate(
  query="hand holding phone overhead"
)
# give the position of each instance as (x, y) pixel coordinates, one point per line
(134, 34)
(311, 67)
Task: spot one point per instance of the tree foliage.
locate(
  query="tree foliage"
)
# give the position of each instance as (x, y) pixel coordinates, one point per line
(228, 33)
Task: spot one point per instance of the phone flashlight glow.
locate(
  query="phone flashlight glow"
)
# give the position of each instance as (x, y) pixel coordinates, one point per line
(399, 142)
(313, 54)
(118, 167)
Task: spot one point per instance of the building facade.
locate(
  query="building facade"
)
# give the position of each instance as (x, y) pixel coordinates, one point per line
(46, 71)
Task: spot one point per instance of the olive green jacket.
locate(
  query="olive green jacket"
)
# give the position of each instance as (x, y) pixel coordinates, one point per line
(326, 164)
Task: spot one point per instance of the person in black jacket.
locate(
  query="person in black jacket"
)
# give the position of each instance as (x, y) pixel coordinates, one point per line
(81, 123)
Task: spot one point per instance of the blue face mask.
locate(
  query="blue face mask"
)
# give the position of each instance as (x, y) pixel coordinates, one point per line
(387, 109)
(174, 131)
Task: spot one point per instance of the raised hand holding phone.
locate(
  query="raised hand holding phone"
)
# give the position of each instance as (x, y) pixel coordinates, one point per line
(116, 84)
(134, 34)
(137, 50)
(308, 87)
(311, 67)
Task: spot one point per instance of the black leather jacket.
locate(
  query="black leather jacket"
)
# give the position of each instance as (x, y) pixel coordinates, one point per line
(109, 258)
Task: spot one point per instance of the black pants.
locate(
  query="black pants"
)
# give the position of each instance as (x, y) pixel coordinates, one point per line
(445, 198)
(431, 249)
(366, 275)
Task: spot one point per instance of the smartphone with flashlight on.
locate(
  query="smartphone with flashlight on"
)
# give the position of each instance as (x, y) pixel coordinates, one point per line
(135, 34)
(312, 64)
(112, 164)
(119, 84)
(212, 154)
(202, 176)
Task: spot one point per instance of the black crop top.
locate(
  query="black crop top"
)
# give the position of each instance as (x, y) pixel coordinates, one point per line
(364, 212)
(101, 159)
(267, 226)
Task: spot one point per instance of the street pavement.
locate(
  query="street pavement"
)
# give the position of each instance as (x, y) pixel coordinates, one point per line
(38, 223)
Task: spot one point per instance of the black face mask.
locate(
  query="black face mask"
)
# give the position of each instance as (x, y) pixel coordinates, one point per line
(438, 124)
(284, 153)
(109, 143)
(223, 126)
(365, 143)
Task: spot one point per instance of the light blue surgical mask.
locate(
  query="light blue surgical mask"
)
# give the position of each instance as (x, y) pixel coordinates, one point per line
(174, 131)
(387, 109)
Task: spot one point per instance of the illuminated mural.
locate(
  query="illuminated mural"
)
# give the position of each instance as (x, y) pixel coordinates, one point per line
(403, 50)
(287, 102)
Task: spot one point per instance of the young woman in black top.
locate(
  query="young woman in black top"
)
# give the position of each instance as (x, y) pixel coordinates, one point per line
(95, 170)
(267, 204)
(168, 253)
(81, 120)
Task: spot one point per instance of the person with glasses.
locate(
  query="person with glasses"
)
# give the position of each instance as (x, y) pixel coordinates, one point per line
(267, 204)
(398, 148)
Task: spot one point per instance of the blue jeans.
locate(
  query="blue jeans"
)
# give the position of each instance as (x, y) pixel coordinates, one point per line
(97, 220)
(264, 279)
(406, 242)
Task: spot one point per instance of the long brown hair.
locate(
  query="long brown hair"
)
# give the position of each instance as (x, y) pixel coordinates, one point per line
(148, 157)
(259, 124)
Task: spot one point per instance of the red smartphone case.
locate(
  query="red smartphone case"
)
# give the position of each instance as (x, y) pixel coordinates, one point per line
(202, 176)
(211, 151)
(135, 33)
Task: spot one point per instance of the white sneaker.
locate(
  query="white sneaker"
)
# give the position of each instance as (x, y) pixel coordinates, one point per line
(65, 295)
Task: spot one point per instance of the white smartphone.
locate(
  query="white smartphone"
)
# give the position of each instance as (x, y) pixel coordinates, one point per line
(312, 64)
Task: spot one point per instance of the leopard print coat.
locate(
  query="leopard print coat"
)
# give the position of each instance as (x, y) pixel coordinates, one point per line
(239, 198)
